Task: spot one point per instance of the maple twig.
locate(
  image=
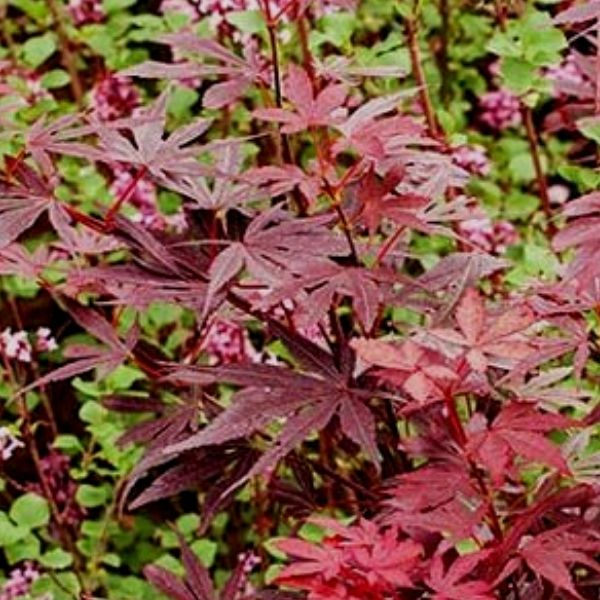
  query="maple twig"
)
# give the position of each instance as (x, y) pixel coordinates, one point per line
(443, 54)
(540, 177)
(307, 58)
(412, 36)
(286, 148)
(68, 59)
(124, 196)
(388, 245)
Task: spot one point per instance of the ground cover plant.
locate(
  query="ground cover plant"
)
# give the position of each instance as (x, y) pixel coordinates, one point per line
(299, 299)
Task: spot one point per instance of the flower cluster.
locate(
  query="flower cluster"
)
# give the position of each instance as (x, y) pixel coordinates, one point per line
(227, 342)
(55, 470)
(566, 76)
(143, 196)
(473, 159)
(18, 345)
(8, 443)
(114, 97)
(19, 581)
(85, 12)
(500, 109)
(493, 237)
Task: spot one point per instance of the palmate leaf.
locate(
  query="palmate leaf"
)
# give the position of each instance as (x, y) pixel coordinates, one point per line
(239, 73)
(486, 340)
(519, 430)
(308, 401)
(553, 553)
(104, 359)
(310, 110)
(24, 197)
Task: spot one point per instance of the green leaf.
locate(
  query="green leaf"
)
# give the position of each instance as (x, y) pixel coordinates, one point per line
(92, 412)
(56, 78)
(247, 21)
(9, 532)
(57, 558)
(37, 50)
(590, 127)
(30, 510)
(123, 377)
(111, 6)
(91, 496)
(68, 443)
(518, 74)
(26, 549)
(206, 551)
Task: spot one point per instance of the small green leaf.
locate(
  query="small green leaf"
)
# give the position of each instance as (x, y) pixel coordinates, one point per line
(10, 533)
(92, 412)
(56, 78)
(68, 443)
(26, 549)
(30, 510)
(247, 21)
(206, 551)
(91, 496)
(56, 558)
(37, 50)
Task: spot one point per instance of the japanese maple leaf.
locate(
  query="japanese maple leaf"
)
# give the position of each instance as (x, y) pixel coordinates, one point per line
(314, 289)
(307, 400)
(140, 140)
(417, 370)
(324, 109)
(228, 188)
(197, 584)
(375, 198)
(239, 73)
(276, 181)
(457, 581)
(274, 244)
(57, 137)
(104, 359)
(552, 554)
(24, 197)
(488, 340)
(439, 497)
(370, 133)
(519, 430)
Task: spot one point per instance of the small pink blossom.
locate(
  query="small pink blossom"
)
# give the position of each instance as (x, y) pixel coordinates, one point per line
(84, 12)
(44, 341)
(16, 345)
(472, 159)
(566, 77)
(500, 109)
(227, 342)
(19, 581)
(492, 237)
(114, 97)
(8, 443)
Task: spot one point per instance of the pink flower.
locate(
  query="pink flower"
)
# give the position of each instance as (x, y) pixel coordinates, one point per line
(114, 97)
(16, 345)
(472, 159)
(487, 236)
(566, 77)
(55, 468)
(19, 581)
(8, 443)
(226, 342)
(500, 109)
(44, 341)
(84, 12)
